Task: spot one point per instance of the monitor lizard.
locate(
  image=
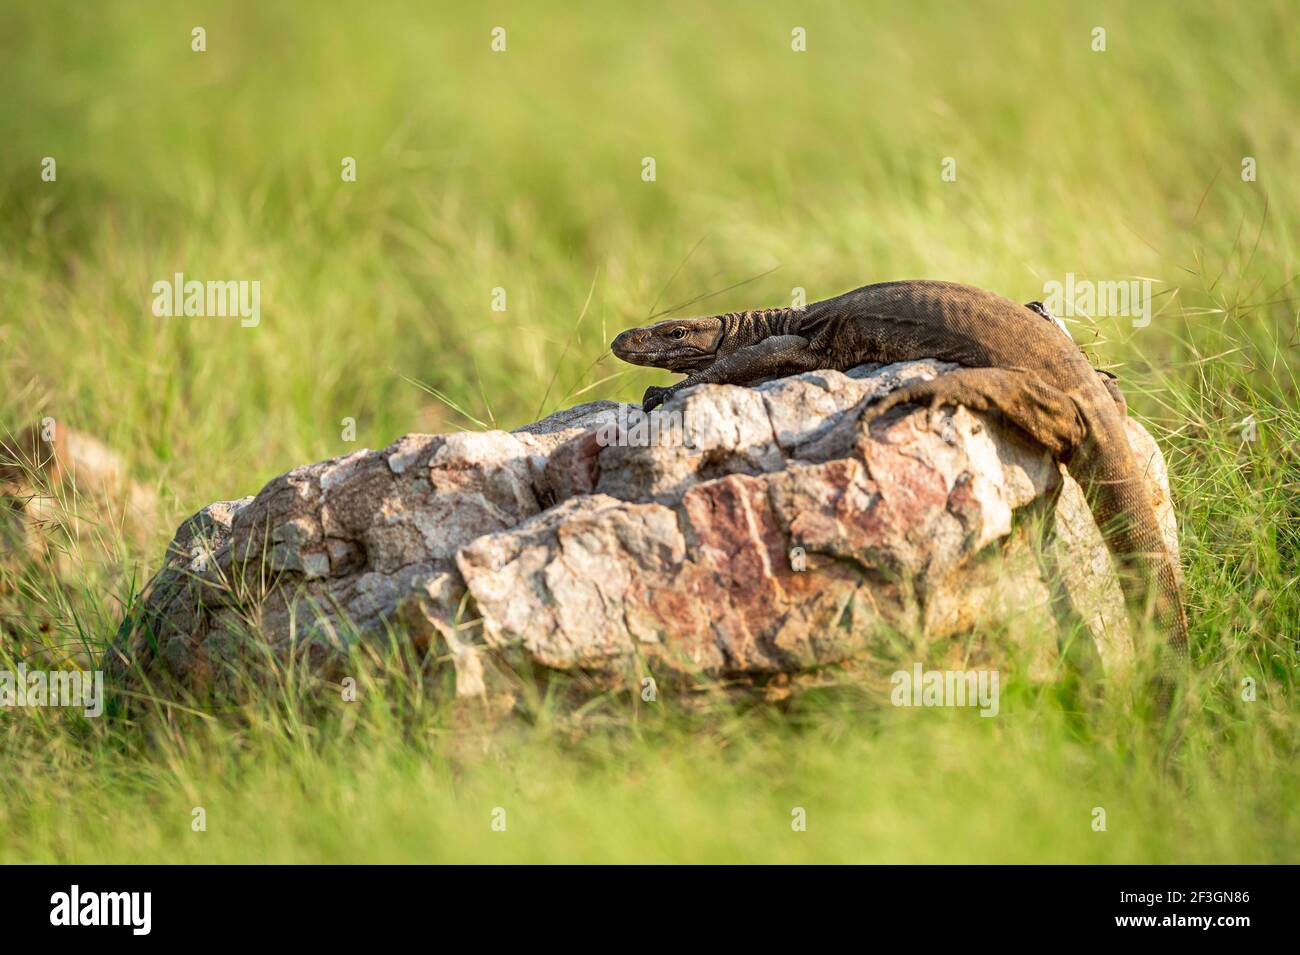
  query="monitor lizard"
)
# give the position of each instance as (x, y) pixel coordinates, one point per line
(1014, 363)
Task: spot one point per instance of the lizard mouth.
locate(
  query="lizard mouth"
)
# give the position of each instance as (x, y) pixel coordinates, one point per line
(638, 346)
(626, 347)
(637, 351)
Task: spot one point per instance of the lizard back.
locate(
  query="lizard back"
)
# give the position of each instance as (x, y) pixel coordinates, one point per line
(907, 320)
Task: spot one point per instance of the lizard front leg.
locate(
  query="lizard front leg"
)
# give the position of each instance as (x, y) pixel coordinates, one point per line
(772, 357)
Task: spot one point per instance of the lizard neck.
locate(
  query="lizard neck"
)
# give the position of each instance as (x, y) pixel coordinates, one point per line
(750, 328)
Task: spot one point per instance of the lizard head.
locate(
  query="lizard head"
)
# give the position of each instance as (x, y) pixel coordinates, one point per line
(681, 344)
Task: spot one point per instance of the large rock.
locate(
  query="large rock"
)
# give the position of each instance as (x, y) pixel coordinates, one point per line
(742, 535)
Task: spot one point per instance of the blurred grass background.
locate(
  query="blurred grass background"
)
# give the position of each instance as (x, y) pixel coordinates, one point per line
(775, 169)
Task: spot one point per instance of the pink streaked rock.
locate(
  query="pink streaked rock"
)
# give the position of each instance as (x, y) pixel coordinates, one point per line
(774, 535)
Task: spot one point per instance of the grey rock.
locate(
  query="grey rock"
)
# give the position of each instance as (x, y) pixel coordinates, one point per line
(742, 535)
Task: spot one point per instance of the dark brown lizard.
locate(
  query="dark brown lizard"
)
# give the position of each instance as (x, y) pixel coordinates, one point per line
(1015, 363)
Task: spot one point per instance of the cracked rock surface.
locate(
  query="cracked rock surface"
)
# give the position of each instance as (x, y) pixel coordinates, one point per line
(737, 534)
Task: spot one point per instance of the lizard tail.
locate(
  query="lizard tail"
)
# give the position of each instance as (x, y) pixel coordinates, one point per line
(1121, 503)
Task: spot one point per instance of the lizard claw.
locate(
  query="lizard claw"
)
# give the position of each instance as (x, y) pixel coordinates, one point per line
(882, 405)
(937, 404)
(654, 396)
(925, 393)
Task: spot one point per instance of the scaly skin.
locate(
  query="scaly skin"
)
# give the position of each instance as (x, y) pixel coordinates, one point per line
(1015, 363)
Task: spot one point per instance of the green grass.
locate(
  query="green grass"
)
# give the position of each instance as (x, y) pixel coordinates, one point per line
(522, 170)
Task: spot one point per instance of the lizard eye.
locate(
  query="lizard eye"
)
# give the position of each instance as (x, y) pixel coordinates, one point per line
(679, 333)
